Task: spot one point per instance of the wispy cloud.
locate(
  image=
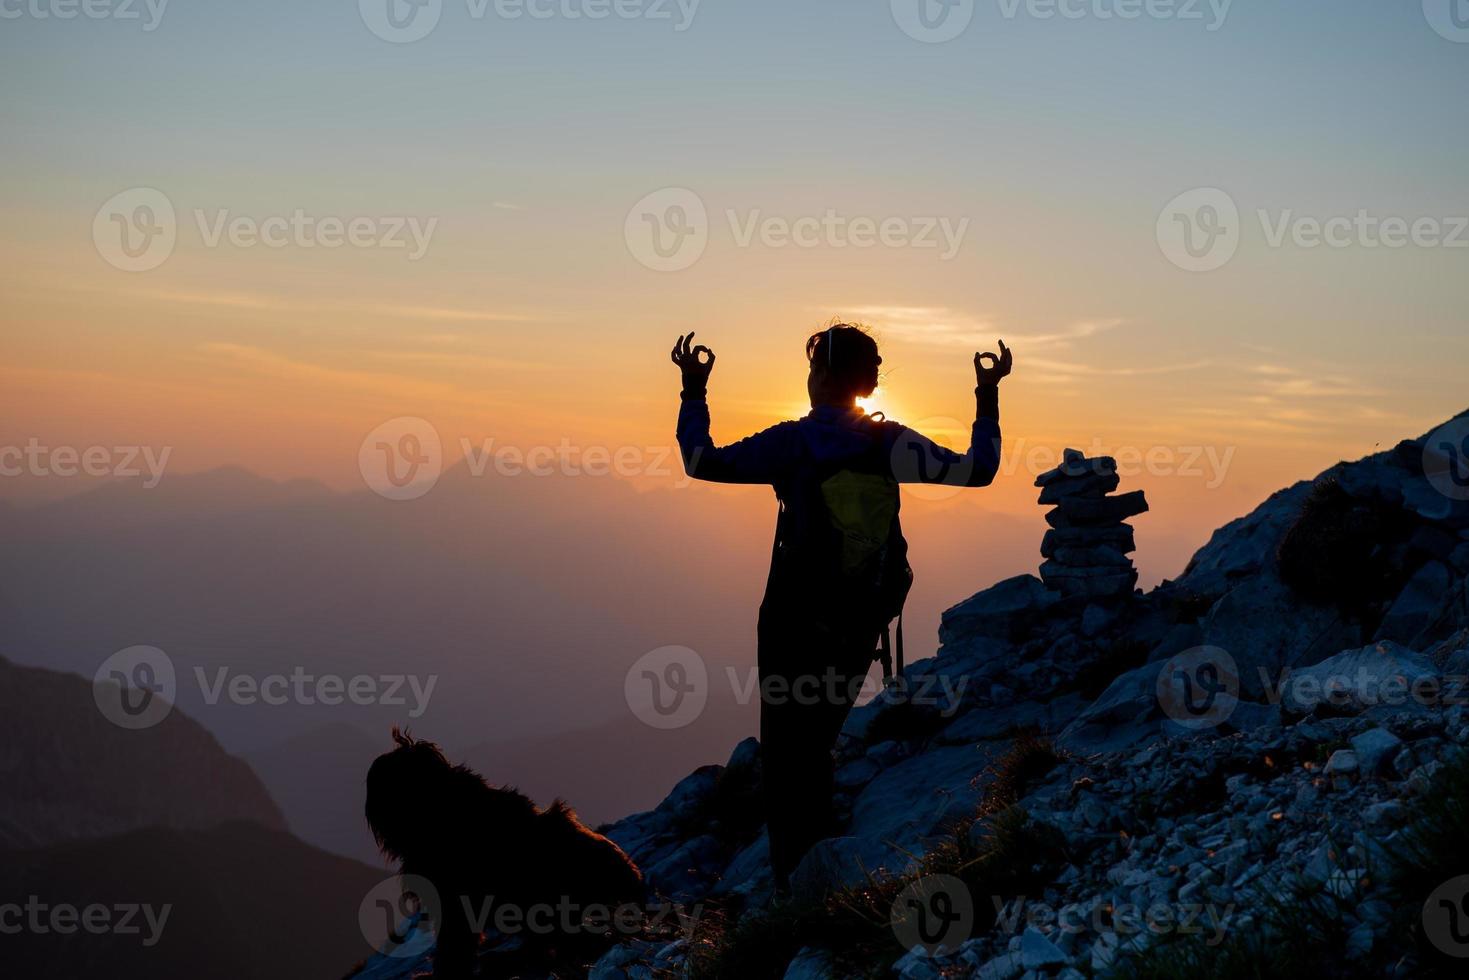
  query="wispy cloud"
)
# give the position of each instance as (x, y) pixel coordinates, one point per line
(1279, 381)
(942, 326)
(253, 301)
(1072, 371)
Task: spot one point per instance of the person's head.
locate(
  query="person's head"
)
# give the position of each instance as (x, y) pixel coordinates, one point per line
(844, 362)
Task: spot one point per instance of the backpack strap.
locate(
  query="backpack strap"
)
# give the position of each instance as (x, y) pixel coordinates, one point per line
(900, 645)
(885, 655)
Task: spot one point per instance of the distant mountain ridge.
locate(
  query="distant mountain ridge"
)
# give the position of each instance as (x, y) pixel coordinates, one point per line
(70, 774)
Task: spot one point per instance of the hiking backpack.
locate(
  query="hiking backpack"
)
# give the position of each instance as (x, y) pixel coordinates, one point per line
(855, 544)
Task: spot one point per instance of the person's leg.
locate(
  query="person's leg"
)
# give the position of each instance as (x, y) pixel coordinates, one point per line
(779, 745)
(813, 678)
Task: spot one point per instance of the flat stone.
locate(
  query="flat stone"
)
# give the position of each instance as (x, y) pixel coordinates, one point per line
(1075, 464)
(1118, 536)
(1099, 555)
(810, 964)
(1374, 748)
(1092, 485)
(1085, 512)
(1037, 952)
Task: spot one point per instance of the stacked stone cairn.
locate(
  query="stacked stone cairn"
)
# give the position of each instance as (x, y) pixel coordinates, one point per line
(1087, 545)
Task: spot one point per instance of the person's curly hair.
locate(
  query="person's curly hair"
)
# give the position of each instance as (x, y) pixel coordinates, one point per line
(848, 355)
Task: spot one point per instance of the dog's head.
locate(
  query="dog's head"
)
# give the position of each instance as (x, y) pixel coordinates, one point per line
(401, 785)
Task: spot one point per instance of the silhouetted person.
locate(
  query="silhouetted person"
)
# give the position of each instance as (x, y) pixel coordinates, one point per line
(838, 569)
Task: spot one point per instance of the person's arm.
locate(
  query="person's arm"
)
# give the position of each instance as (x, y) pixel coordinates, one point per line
(918, 459)
(759, 458)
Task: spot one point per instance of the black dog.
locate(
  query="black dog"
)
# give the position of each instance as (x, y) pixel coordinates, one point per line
(497, 861)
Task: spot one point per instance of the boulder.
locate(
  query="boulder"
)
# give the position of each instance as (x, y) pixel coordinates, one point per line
(749, 872)
(1375, 749)
(1266, 629)
(918, 798)
(1038, 952)
(1417, 608)
(837, 863)
(1244, 546)
(1001, 612)
(1353, 680)
(810, 964)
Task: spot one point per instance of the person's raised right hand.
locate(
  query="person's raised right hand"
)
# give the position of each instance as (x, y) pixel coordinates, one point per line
(695, 371)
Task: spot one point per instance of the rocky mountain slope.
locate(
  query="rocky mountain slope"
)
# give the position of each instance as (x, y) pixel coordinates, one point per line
(234, 901)
(1253, 770)
(70, 774)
